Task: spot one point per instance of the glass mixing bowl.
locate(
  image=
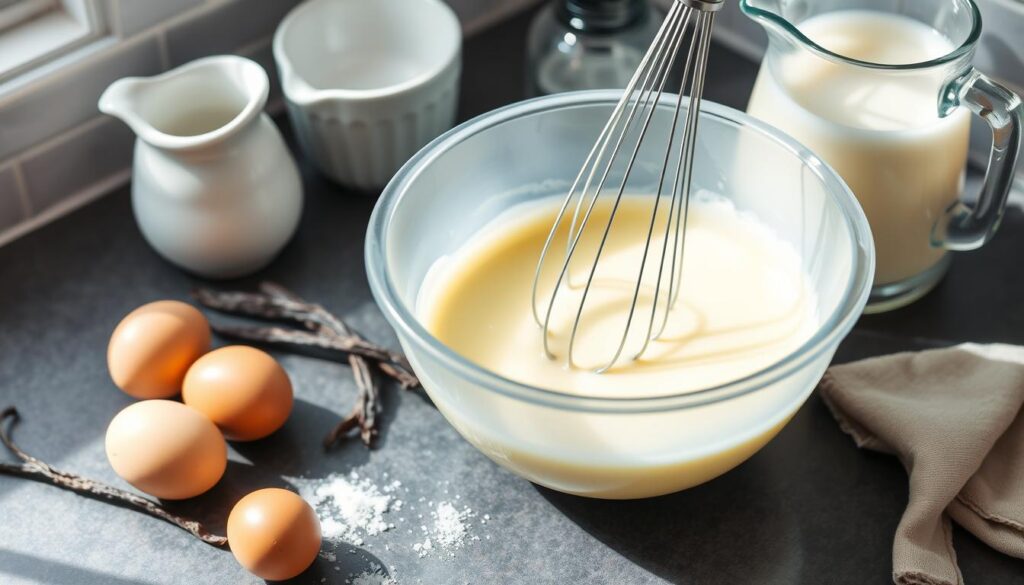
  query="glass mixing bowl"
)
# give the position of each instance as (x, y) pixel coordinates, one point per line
(651, 444)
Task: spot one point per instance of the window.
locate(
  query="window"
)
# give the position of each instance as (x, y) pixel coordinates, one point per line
(35, 31)
(15, 12)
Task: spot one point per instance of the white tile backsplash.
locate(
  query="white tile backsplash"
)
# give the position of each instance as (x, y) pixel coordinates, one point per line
(96, 152)
(68, 100)
(225, 28)
(133, 16)
(51, 136)
(54, 139)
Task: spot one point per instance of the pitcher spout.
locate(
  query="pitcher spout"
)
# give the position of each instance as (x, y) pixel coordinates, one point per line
(118, 99)
(758, 9)
(767, 13)
(198, 104)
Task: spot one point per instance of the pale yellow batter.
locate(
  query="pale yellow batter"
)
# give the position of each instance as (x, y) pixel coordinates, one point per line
(745, 304)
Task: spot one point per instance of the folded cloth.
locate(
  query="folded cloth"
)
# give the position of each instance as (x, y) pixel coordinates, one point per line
(953, 417)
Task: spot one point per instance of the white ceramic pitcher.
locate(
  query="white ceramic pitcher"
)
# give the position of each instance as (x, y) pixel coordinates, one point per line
(214, 187)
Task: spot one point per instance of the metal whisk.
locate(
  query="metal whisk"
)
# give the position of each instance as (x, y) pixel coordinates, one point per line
(689, 23)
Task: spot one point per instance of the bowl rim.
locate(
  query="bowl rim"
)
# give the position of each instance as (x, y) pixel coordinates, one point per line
(299, 90)
(402, 318)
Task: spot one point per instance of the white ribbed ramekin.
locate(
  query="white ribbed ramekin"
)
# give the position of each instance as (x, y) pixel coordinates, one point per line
(357, 132)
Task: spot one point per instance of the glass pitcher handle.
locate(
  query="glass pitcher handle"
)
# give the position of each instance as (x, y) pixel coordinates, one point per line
(967, 227)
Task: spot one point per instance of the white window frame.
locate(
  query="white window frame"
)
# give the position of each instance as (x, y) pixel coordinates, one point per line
(35, 32)
(15, 12)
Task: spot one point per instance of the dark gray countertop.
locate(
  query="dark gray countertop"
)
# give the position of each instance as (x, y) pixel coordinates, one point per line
(810, 508)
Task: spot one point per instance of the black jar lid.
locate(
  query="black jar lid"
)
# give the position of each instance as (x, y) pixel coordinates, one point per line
(600, 16)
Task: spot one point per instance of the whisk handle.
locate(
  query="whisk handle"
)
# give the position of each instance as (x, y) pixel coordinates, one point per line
(703, 5)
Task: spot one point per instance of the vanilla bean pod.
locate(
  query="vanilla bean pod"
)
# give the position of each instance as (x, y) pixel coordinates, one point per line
(311, 317)
(288, 336)
(33, 468)
(364, 412)
(319, 328)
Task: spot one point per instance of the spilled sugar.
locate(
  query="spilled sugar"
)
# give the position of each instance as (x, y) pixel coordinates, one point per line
(353, 508)
(448, 526)
(374, 576)
(449, 531)
(350, 507)
(368, 578)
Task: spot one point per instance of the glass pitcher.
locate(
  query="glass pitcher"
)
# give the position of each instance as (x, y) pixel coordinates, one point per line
(877, 94)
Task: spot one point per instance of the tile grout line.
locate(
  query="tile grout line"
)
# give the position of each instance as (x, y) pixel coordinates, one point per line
(104, 47)
(163, 50)
(67, 205)
(207, 6)
(196, 11)
(99, 188)
(22, 185)
(58, 139)
(116, 20)
(157, 33)
(82, 197)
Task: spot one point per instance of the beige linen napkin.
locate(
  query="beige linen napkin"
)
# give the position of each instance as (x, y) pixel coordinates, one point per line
(953, 417)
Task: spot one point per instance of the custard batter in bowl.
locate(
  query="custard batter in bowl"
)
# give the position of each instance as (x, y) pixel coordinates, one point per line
(745, 302)
(777, 268)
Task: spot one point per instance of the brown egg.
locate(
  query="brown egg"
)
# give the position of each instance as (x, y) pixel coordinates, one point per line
(241, 389)
(166, 449)
(153, 347)
(274, 534)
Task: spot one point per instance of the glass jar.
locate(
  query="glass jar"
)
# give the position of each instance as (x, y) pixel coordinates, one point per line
(588, 44)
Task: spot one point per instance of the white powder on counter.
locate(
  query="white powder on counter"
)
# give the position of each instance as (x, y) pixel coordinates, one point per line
(349, 506)
(375, 576)
(449, 532)
(449, 528)
(352, 507)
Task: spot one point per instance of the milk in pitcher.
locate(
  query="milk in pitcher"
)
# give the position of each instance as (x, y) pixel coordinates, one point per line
(879, 128)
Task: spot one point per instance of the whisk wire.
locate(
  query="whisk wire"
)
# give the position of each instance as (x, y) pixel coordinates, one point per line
(599, 148)
(662, 78)
(689, 141)
(639, 107)
(672, 24)
(672, 215)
